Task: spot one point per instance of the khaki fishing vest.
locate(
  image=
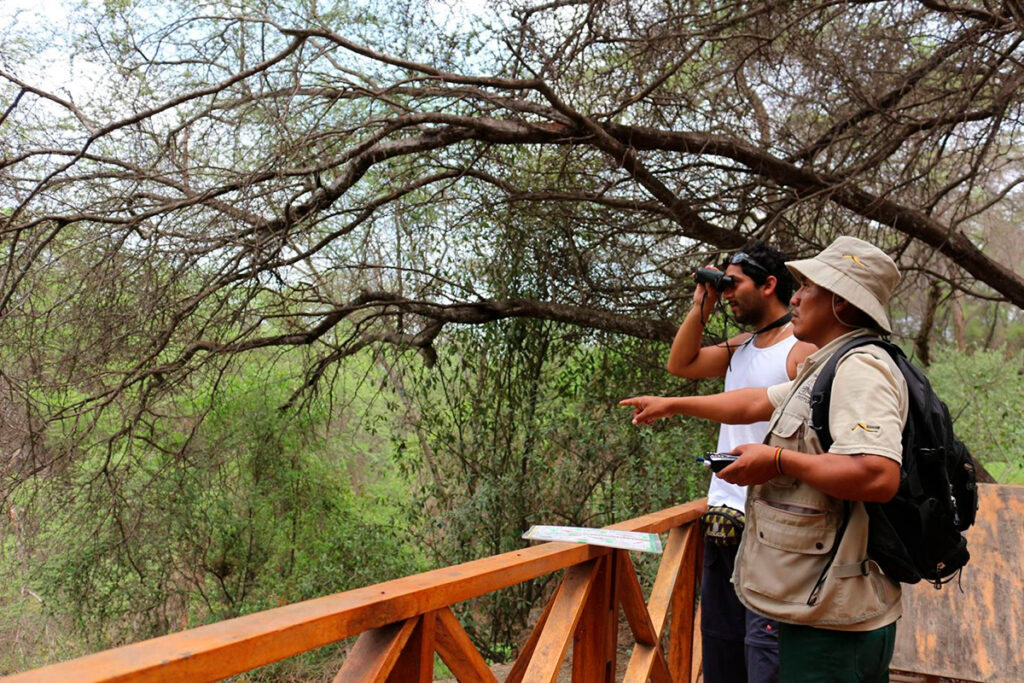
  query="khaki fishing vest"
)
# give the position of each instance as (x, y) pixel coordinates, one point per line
(783, 569)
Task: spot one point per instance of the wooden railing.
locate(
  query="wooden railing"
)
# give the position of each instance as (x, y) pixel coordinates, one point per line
(402, 623)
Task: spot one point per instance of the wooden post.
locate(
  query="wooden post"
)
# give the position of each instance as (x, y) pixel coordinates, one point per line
(593, 647)
(698, 647)
(696, 644)
(684, 594)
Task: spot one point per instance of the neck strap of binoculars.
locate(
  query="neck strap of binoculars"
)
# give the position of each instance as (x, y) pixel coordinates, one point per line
(772, 325)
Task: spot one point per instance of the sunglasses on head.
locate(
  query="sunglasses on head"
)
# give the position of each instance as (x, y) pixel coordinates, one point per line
(742, 258)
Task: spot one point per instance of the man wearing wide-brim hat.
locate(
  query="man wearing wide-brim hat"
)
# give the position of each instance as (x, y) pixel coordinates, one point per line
(837, 612)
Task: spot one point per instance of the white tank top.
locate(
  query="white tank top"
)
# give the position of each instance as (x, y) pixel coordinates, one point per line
(750, 367)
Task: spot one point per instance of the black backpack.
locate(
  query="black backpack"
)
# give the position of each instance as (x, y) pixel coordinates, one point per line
(918, 534)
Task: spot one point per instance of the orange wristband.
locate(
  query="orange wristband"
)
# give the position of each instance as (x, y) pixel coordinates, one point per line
(778, 460)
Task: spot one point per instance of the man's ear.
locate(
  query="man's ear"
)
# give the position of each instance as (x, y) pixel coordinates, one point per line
(845, 311)
(769, 285)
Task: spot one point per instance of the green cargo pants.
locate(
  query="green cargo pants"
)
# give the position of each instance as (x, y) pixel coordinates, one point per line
(817, 655)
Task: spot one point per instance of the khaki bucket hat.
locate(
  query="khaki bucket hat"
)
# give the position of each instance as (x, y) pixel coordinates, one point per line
(856, 270)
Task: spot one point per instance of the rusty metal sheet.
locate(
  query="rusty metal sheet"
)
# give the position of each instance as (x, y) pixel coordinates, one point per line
(975, 634)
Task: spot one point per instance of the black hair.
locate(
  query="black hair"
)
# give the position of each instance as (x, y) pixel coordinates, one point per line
(772, 262)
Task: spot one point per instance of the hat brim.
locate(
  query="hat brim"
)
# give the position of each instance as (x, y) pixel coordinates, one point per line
(833, 280)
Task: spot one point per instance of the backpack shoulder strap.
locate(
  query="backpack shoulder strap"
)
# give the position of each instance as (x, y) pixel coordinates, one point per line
(821, 393)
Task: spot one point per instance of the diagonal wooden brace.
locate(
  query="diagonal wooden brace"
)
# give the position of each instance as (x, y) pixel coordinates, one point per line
(567, 607)
(457, 650)
(648, 659)
(375, 653)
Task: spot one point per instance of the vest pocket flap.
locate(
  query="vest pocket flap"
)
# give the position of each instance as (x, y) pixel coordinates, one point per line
(807, 533)
(787, 425)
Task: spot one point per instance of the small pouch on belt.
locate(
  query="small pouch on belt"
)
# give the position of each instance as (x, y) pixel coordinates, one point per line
(722, 525)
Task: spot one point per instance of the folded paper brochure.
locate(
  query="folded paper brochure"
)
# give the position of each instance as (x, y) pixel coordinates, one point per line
(626, 540)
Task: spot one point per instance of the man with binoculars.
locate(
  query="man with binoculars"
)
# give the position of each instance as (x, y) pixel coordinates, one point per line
(738, 645)
(804, 557)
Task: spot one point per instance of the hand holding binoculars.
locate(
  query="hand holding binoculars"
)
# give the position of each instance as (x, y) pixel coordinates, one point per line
(715, 278)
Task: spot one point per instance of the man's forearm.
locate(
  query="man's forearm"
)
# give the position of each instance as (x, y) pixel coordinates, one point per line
(742, 406)
(866, 477)
(686, 344)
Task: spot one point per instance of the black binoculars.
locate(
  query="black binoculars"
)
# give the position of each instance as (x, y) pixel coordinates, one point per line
(715, 278)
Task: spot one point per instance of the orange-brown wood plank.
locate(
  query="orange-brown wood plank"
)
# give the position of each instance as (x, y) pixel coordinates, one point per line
(518, 670)
(230, 647)
(457, 650)
(973, 629)
(664, 520)
(668, 574)
(647, 660)
(631, 597)
(698, 647)
(565, 614)
(416, 661)
(375, 653)
(647, 663)
(593, 645)
(684, 597)
(662, 601)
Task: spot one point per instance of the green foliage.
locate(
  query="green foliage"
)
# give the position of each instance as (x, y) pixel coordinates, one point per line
(985, 394)
(235, 506)
(522, 427)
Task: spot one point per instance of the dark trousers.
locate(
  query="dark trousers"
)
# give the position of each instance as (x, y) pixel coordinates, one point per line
(817, 655)
(738, 646)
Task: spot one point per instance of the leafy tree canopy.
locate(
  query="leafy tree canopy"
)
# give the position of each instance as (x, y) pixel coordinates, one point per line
(265, 173)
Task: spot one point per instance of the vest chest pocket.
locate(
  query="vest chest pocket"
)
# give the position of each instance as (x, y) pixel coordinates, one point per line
(791, 546)
(794, 528)
(787, 427)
